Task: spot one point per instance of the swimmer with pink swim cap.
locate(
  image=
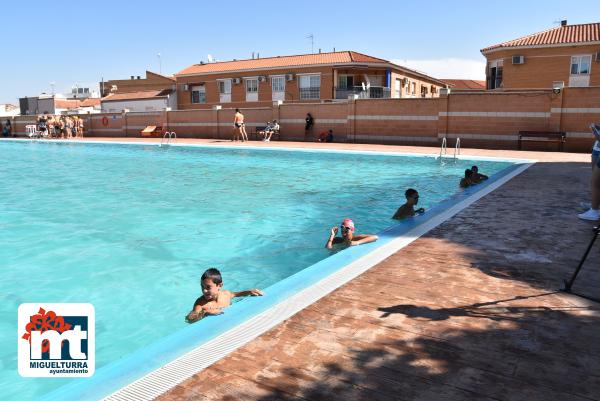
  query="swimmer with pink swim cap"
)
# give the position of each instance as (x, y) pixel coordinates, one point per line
(349, 237)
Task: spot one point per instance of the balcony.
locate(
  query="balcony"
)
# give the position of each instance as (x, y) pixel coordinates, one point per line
(374, 92)
(310, 93)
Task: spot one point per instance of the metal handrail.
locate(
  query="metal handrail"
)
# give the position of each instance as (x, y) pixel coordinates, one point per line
(168, 136)
(457, 148)
(444, 148)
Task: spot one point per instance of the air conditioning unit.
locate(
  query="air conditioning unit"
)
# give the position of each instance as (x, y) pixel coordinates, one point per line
(237, 81)
(289, 77)
(404, 81)
(186, 87)
(262, 78)
(518, 59)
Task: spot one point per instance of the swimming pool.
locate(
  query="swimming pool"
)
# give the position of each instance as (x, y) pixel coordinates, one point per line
(131, 228)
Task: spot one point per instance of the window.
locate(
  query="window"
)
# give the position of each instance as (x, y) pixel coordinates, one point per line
(414, 88)
(252, 85)
(495, 74)
(278, 83)
(581, 64)
(310, 86)
(345, 81)
(224, 86)
(198, 94)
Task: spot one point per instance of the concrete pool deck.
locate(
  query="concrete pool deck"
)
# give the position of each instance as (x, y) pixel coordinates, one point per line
(467, 312)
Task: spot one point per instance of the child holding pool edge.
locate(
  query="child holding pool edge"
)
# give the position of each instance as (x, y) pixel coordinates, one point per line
(348, 237)
(214, 298)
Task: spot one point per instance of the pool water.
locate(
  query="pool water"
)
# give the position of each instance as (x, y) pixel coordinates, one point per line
(130, 228)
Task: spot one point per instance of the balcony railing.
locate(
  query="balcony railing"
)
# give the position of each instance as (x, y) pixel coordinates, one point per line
(310, 93)
(374, 92)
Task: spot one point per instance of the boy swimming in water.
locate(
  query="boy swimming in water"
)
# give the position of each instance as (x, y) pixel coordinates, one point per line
(408, 209)
(214, 298)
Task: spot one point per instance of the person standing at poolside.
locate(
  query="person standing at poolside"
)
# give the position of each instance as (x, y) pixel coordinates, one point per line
(595, 127)
(238, 125)
(7, 129)
(348, 237)
(594, 211)
(308, 126)
(408, 209)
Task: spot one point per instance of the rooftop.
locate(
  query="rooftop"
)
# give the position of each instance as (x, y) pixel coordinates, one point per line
(139, 95)
(565, 34)
(282, 61)
(465, 83)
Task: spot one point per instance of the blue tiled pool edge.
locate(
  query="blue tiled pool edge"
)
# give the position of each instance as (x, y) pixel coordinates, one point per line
(118, 374)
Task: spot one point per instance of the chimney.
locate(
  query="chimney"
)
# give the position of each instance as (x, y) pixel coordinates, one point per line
(334, 49)
(252, 55)
(138, 77)
(132, 77)
(319, 50)
(257, 55)
(563, 22)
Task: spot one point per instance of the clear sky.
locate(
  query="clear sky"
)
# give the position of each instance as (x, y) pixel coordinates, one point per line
(69, 42)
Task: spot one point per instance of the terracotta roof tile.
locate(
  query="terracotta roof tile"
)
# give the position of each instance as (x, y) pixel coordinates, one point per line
(90, 102)
(139, 95)
(582, 33)
(465, 83)
(282, 61)
(66, 103)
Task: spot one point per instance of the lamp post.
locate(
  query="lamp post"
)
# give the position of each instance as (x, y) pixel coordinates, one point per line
(159, 63)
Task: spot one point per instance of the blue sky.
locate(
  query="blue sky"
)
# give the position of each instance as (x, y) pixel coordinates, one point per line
(81, 42)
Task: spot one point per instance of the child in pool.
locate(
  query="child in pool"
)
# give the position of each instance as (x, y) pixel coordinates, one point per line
(408, 209)
(214, 298)
(348, 238)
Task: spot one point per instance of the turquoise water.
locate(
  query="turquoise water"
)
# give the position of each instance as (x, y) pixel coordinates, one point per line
(130, 229)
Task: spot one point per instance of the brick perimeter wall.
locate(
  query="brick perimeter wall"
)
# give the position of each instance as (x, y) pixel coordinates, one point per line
(479, 119)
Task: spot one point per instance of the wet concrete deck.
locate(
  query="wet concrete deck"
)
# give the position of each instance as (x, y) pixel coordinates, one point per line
(470, 311)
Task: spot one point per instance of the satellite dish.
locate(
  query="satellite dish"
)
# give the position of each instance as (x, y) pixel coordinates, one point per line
(210, 58)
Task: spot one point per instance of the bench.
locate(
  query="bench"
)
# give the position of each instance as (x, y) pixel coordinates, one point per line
(258, 129)
(543, 136)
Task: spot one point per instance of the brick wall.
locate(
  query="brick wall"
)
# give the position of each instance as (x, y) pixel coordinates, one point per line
(480, 119)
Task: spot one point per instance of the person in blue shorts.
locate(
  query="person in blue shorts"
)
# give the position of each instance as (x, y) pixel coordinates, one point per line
(594, 211)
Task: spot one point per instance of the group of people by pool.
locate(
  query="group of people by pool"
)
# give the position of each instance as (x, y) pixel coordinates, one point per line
(240, 134)
(214, 298)
(65, 127)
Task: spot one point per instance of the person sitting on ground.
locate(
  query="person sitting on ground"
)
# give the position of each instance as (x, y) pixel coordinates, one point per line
(326, 136)
(408, 209)
(477, 177)
(214, 298)
(467, 181)
(348, 237)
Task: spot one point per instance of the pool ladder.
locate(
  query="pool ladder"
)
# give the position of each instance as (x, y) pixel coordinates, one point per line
(168, 136)
(444, 148)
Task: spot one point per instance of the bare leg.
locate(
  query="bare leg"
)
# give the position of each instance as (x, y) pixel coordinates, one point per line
(244, 135)
(596, 188)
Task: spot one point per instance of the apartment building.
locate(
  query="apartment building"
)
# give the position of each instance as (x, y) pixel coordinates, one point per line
(300, 78)
(568, 55)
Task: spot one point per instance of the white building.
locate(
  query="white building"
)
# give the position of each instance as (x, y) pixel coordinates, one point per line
(150, 100)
